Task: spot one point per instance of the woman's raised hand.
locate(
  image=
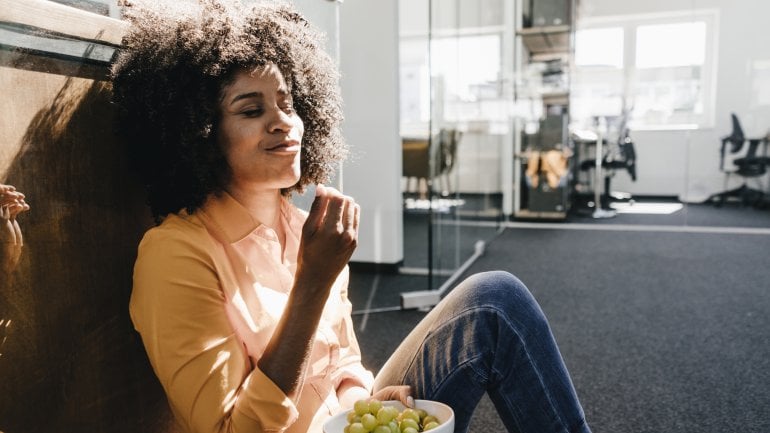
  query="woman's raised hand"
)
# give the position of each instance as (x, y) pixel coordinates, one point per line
(11, 204)
(329, 237)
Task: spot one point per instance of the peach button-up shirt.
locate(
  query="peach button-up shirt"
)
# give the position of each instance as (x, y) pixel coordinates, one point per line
(209, 289)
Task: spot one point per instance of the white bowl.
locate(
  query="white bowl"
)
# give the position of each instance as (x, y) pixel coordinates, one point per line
(442, 412)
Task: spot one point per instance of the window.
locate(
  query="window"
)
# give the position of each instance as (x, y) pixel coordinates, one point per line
(599, 47)
(465, 71)
(80, 42)
(102, 7)
(658, 67)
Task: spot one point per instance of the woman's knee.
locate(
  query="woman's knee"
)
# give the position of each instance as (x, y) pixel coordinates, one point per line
(499, 291)
(493, 287)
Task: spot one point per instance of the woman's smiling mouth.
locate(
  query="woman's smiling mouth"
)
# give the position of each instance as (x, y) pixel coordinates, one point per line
(290, 146)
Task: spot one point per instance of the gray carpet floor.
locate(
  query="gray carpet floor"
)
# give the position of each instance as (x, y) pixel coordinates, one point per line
(661, 332)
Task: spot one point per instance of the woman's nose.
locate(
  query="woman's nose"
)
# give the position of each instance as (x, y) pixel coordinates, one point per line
(280, 121)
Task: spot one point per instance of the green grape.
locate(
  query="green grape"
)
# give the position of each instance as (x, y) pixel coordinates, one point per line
(361, 407)
(411, 414)
(409, 422)
(371, 416)
(384, 415)
(357, 427)
(374, 406)
(369, 421)
(353, 417)
(394, 427)
(421, 413)
(428, 419)
(430, 426)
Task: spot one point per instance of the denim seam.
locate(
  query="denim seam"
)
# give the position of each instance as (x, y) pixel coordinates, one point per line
(546, 391)
(430, 333)
(459, 368)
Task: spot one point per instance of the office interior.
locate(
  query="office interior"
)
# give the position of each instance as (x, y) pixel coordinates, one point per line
(612, 154)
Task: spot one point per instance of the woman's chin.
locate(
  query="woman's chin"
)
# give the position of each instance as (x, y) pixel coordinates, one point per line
(290, 181)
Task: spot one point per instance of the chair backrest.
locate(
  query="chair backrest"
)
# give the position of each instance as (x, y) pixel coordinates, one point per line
(751, 165)
(447, 151)
(736, 138)
(626, 146)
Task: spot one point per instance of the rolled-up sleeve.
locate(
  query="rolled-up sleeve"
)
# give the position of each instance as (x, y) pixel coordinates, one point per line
(177, 305)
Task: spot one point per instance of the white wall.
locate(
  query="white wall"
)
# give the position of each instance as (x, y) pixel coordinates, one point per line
(322, 14)
(686, 163)
(368, 60)
(372, 174)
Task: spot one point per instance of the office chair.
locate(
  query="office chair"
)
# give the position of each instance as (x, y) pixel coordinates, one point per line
(749, 166)
(621, 157)
(446, 157)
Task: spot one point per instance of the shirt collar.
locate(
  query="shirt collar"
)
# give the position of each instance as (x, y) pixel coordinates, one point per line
(232, 221)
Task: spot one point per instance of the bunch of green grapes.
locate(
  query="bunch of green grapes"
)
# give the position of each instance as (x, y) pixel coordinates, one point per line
(372, 417)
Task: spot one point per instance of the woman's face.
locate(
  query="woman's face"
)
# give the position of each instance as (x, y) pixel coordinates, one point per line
(259, 131)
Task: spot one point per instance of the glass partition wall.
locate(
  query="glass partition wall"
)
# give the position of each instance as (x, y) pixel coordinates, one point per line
(453, 128)
(688, 88)
(676, 91)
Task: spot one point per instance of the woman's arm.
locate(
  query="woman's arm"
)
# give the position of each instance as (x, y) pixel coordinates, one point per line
(329, 238)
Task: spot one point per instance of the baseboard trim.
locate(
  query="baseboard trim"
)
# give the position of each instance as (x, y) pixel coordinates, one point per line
(376, 268)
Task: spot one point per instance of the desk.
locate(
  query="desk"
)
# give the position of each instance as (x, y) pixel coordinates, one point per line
(415, 162)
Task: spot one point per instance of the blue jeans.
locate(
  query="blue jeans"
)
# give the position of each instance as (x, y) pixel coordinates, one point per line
(489, 335)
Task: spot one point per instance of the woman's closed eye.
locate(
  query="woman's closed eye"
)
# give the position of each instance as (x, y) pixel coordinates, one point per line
(252, 111)
(286, 103)
(288, 108)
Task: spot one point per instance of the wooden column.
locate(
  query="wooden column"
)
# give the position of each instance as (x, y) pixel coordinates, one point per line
(70, 360)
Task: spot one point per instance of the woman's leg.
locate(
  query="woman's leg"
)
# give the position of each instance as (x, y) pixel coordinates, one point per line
(489, 335)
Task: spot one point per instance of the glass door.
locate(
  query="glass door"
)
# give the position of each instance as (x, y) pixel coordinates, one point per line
(453, 128)
(468, 129)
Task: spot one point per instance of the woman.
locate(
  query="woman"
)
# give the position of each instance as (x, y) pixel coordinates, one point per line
(241, 298)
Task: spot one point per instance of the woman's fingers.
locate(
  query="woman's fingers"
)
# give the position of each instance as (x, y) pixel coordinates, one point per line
(19, 239)
(10, 197)
(317, 210)
(356, 218)
(349, 215)
(340, 213)
(8, 227)
(334, 212)
(17, 208)
(402, 393)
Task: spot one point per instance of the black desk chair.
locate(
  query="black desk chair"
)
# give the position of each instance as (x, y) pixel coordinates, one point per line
(619, 157)
(749, 166)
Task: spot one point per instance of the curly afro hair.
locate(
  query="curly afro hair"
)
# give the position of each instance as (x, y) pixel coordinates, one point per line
(168, 79)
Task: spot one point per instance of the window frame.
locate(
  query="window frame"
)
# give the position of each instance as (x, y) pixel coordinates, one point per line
(629, 71)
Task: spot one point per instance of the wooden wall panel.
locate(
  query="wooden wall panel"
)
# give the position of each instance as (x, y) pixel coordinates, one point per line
(71, 361)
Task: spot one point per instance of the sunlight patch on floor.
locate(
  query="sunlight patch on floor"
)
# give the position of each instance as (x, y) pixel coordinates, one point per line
(647, 208)
(439, 205)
